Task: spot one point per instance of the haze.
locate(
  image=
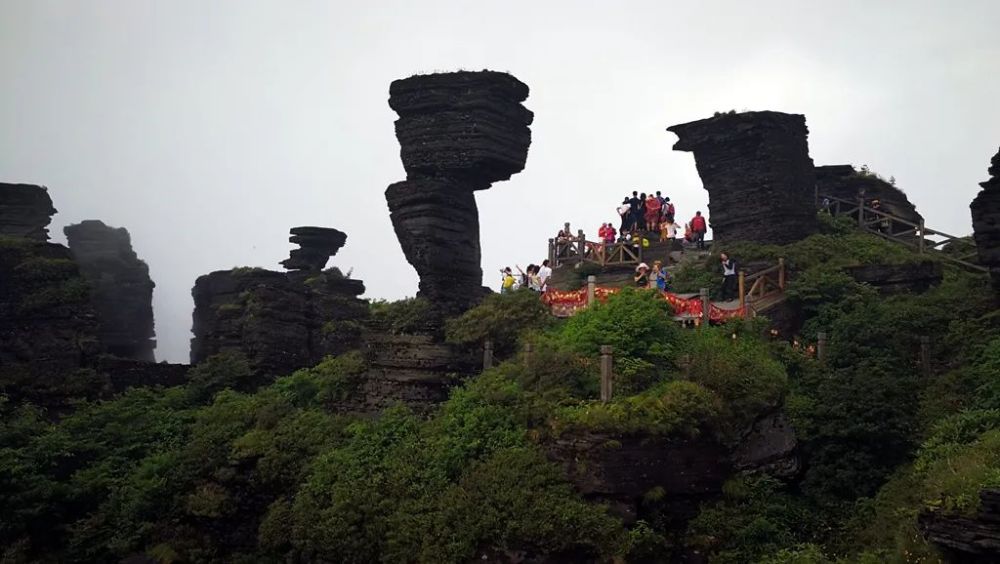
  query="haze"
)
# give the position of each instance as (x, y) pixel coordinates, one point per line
(208, 129)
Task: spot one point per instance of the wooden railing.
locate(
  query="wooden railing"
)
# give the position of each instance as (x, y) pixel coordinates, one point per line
(958, 250)
(579, 249)
(764, 284)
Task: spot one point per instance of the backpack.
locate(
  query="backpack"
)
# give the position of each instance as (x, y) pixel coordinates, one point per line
(670, 210)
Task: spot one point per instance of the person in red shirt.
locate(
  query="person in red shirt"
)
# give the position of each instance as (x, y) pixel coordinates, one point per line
(698, 229)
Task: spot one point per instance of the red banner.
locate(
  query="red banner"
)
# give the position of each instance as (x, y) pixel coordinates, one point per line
(565, 304)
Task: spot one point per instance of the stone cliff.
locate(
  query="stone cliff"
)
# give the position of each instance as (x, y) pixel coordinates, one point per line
(967, 538)
(25, 211)
(281, 321)
(986, 223)
(458, 132)
(121, 290)
(758, 173)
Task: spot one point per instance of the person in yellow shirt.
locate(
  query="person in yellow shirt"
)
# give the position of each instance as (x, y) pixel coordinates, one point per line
(507, 282)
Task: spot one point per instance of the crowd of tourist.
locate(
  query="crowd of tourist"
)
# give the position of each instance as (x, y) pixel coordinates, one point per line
(651, 215)
(534, 277)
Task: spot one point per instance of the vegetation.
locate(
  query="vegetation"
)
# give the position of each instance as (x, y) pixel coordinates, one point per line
(224, 470)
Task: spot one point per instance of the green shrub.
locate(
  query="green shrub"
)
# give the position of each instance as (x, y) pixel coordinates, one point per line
(405, 316)
(503, 318)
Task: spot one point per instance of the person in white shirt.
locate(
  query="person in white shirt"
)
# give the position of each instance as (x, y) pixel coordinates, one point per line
(544, 273)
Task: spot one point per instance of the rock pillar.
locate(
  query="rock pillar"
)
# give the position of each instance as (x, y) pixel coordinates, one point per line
(986, 223)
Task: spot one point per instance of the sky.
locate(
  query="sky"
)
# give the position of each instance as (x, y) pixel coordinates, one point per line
(208, 129)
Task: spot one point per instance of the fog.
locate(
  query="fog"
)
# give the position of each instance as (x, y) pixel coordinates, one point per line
(208, 129)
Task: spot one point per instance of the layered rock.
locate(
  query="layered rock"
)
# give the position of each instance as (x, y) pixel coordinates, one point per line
(25, 211)
(121, 290)
(986, 223)
(758, 173)
(458, 132)
(316, 246)
(899, 278)
(847, 183)
(965, 538)
(281, 321)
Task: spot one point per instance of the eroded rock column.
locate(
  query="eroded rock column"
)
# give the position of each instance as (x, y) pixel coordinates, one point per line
(986, 223)
(458, 132)
(758, 173)
(121, 289)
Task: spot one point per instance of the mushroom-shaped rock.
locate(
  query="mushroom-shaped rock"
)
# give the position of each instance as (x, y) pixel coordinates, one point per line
(458, 133)
(316, 246)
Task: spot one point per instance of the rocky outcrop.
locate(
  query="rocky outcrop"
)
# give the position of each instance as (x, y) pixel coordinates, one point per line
(316, 246)
(967, 539)
(25, 211)
(414, 370)
(458, 132)
(847, 183)
(48, 329)
(758, 173)
(986, 223)
(121, 290)
(623, 470)
(898, 278)
(769, 447)
(281, 321)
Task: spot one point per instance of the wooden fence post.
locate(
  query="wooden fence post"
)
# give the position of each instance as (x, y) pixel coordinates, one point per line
(925, 355)
(781, 273)
(488, 354)
(591, 289)
(553, 253)
(606, 373)
(743, 291)
(581, 241)
(527, 355)
(821, 345)
(920, 238)
(861, 212)
(706, 306)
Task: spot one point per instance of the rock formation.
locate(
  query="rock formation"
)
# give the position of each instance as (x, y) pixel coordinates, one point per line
(757, 170)
(898, 278)
(316, 246)
(458, 132)
(843, 181)
(986, 223)
(281, 321)
(25, 211)
(967, 539)
(121, 290)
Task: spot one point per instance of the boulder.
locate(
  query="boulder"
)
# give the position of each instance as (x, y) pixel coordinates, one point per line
(121, 289)
(986, 223)
(758, 173)
(458, 132)
(25, 211)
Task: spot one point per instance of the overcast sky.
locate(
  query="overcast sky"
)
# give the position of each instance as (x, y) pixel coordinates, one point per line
(209, 128)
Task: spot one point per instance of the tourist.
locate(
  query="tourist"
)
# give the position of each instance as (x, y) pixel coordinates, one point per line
(662, 277)
(668, 210)
(728, 277)
(641, 276)
(640, 213)
(652, 213)
(668, 230)
(825, 207)
(698, 229)
(634, 212)
(625, 213)
(610, 234)
(507, 281)
(544, 273)
(534, 280)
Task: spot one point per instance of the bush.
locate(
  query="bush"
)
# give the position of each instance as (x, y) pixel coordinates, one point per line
(503, 318)
(405, 316)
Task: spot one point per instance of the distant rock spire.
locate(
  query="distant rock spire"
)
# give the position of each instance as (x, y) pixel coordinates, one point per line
(316, 246)
(25, 211)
